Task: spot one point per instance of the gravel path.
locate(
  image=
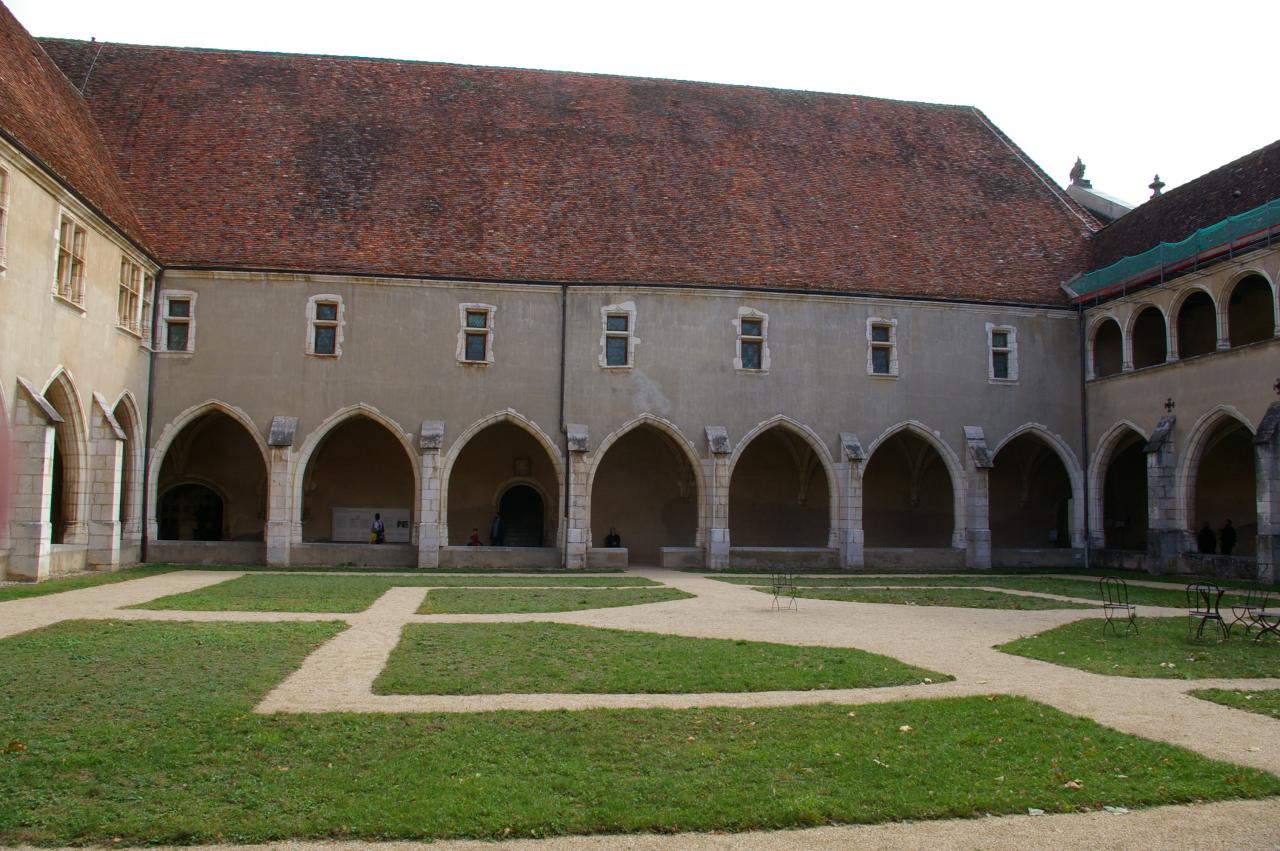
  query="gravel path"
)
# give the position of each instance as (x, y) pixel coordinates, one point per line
(339, 676)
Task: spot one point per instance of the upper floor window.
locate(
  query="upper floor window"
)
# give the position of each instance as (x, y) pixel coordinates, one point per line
(4, 213)
(618, 337)
(133, 307)
(882, 347)
(475, 336)
(1002, 341)
(325, 320)
(69, 282)
(177, 321)
(752, 348)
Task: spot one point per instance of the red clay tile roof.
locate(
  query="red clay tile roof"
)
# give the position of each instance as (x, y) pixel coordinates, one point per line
(315, 163)
(1248, 182)
(44, 115)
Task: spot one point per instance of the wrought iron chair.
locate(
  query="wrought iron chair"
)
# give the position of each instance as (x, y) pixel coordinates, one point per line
(783, 585)
(1202, 604)
(1246, 611)
(1115, 604)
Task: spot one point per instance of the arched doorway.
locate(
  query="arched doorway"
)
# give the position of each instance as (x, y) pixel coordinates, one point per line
(1030, 493)
(1108, 349)
(1251, 311)
(644, 486)
(1197, 325)
(908, 496)
(130, 468)
(191, 512)
(1124, 494)
(69, 485)
(1226, 484)
(495, 461)
(778, 493)
(212, 482)
(521, 510)
(358, 469)
(1150, 338)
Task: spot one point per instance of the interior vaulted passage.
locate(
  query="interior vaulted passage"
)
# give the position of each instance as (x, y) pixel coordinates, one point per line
(213, 483)
(1030, 494)
(908, 495)
(1222, 481)
(358, 468)
(1150, 338)
(1124, 497)
(504, 470)
(778, 495)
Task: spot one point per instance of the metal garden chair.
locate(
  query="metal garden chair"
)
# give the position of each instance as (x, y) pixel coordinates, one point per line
(1115, 604)
(1202, 604)
(1246, 611)
(783, 585)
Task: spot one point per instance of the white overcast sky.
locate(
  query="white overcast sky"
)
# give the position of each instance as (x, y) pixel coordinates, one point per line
(1134, 88)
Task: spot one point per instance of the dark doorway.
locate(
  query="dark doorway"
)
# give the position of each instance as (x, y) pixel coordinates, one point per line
(57, 494)
(521, 510)
(191, 512)
(1124, 495)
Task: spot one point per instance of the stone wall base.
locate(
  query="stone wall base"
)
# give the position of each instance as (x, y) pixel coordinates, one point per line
(788, 558)
(607, 558)
(355, 555)
(206, 552)
(1043, 557)
(682, 558)
(913, 559)
(504, 558)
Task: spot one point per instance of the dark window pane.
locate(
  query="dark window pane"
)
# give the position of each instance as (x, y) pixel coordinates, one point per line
(326, 310)
(475, 346)
(615, 351)
(616, 323)
(999, 339)
(880, 361)
(177, 338)
(476, 319)
(180, 307)
(750, 355)
(751, 327)
(326, 339)
(880, 333)
(1000, 364)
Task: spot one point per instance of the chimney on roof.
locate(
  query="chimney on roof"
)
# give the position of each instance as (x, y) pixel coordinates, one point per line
(1156, 186)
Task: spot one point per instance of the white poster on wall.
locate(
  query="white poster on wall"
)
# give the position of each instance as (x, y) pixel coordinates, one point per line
(353, 524)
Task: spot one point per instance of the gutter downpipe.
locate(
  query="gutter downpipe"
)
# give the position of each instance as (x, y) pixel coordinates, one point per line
(565, 496)
(1084, 430)
(144, 522)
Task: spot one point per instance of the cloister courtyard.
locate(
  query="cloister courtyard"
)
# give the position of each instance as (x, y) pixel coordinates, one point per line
(647, 709)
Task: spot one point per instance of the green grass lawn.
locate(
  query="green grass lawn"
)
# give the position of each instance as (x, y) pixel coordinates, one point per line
(287, 593)
(1161, 650)
(73, 583)
(1262, 702)
(739, 575)
(535, 658)
(141, 733)
(494, 600)
(969, 598)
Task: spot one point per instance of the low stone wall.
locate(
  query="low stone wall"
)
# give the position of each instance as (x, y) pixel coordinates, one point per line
(356, 555)
(914, 559)
(791, 558)
(682, 558)
(68, 558)
(207, 552)
(607, 558)
(534, 558)
(1228, 567)
(1124, 560)
(1044, 557)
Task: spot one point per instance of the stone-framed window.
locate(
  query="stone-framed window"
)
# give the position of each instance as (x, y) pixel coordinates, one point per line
(618, 335)
(133, 306)
(1002, 360)
(4, 214)
(882, 347)
(68, 282)
(177, 321)
(326, 318)
(752, 351)
(475, 333)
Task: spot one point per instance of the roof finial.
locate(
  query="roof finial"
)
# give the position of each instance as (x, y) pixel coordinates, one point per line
(1077, 175)
(1156, 186)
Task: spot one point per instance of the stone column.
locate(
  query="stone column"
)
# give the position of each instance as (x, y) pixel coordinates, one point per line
(106, 450)
(30, 530)
(1166, 540)
(279, 532)
(1267, 445)
(977, 506)
(717, 543)
(577, 536)
(431, 532)
(852, 538)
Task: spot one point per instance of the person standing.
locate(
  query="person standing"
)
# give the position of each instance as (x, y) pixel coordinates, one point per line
(378, 529)
(1227, 538)
(495, 531)
(1206, 541)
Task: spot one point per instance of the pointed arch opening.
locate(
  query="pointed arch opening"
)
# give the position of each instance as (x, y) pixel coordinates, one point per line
(908, 494)
(212, 482)
(503, 469)
(126, 414)
(1124, 493)
(1221, 484)
(69, 487)
(359, 467)
(1031, 497)
(1150, 338)
(1197, 325)
(779, 492)
(1108, 348)
(1251, 311)
(645, 486)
